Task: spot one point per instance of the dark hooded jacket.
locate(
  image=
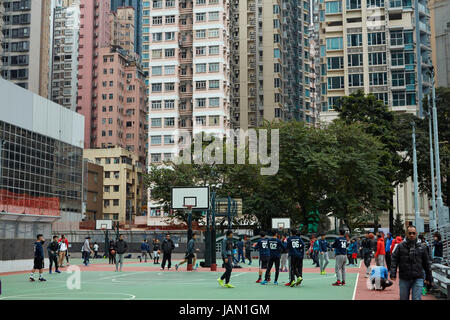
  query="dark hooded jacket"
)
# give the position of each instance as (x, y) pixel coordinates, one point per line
(411, 258)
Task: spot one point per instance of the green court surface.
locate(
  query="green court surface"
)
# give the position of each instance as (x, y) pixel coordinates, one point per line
(128, 285)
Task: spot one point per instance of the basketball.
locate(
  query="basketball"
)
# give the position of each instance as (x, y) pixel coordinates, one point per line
(113, 252)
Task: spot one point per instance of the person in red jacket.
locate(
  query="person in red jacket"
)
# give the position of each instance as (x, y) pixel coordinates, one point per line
(63, 248)
(381, 252)
(396, 242)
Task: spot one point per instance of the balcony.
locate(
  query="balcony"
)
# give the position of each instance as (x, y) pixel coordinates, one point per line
(424, 27)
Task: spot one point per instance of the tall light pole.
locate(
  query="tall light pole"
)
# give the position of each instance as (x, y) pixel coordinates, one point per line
(433, 192)
(443, 212)
(417, 222)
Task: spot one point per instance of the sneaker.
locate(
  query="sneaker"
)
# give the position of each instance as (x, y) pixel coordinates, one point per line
(57, 271)
(287, 284)
(50, 272)
(176, 267)
(258, 281)
(292, 284)
(168, 268)
(264, 282)
(228, 285)
(220, 281)
(42, 279)
(275, 283)
(337, 283)
(161, 268)
(32, 279)
(343, 283)
(299, 281)
(268, 280)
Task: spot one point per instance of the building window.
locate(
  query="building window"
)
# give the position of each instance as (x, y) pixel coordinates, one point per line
(170, 36)
(155, 140)
(354, 40)
(214, 84)
(377, 58)
(169, 53)
(200, 16)
(214, 120)
(169, 104)
(356, 80)
(334, 43)
(156, 71)
(214, 67)
(169, 70)
(200, 67)
(213, 33)
(213, 16)
(156, 122)
(156, 54)
(200, 51)
(200, 102)
(376, 38)
(398, 98)
(214, 102)
(157, 4)
(396, 38)
(335, 83)
(397, 58)
(169, 140)
(378, 78)
(156, 105)
(398, 79)
(116, 188)
(333, 7)
(156, 87)
(200, 85)
(157, 20)
(157, 36)
(353, 4)
(170, 19)
(200, 34)
(169, 122)
(200, 120)
(169, 86)
(355, 60)
(213, 50)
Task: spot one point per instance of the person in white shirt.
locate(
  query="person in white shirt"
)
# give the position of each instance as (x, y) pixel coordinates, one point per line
(63, 247)
(95, 250)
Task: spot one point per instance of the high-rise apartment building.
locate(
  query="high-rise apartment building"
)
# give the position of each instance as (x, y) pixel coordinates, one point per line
(372, 45)
(111, 87)
(189, 71)
(440, 40)
(64, 62)
(137, 6)
(270, 61)
(122, 182)
(123, 29)
(26, 44)
(94, 34)
(2, 12)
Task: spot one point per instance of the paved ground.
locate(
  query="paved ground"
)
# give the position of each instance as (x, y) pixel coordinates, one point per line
(147, 281)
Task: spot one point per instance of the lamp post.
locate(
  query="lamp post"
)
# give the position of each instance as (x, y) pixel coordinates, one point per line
(416, 184)
(433, 192)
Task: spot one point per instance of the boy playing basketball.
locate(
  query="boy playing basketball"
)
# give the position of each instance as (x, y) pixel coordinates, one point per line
(38, 258)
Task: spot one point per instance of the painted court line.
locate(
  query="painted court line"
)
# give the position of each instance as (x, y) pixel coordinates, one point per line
(356, 285)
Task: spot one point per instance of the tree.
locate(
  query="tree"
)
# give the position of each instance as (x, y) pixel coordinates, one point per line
(367, 109)
(399, 226)
(356, 186)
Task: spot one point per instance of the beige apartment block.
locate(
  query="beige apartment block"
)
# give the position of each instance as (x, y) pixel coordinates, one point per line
(123, 29)
(369, 45)
(122, 182)
(440, 40)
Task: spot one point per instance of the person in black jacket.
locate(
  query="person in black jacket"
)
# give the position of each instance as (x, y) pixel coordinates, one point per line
(121, 247)
(412, 260)
(112, 252)
(438, 248)
(52, 250)
(167, 247)
(366, 252)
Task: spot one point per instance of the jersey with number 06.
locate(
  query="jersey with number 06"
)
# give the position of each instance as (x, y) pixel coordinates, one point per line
(263, 247)
(340, 246)
(296, 247)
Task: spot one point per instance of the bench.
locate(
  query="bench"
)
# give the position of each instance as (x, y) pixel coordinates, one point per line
(441, 278)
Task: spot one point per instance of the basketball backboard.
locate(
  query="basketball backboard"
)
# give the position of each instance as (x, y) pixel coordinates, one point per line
(195, 197)
(103, 224)
(281, 223)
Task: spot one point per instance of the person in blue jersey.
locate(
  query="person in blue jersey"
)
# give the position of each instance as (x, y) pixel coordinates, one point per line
(323, 253)
(316, 253)
(275, 247)
(264, 254)
(38, 258)
(296, 250)
(379, 278)
(340, 248)
(227, 256)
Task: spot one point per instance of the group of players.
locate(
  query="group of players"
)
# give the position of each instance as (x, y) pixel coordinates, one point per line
(270, 248)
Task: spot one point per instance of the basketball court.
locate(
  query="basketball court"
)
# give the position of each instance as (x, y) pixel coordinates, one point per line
(146, 281)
